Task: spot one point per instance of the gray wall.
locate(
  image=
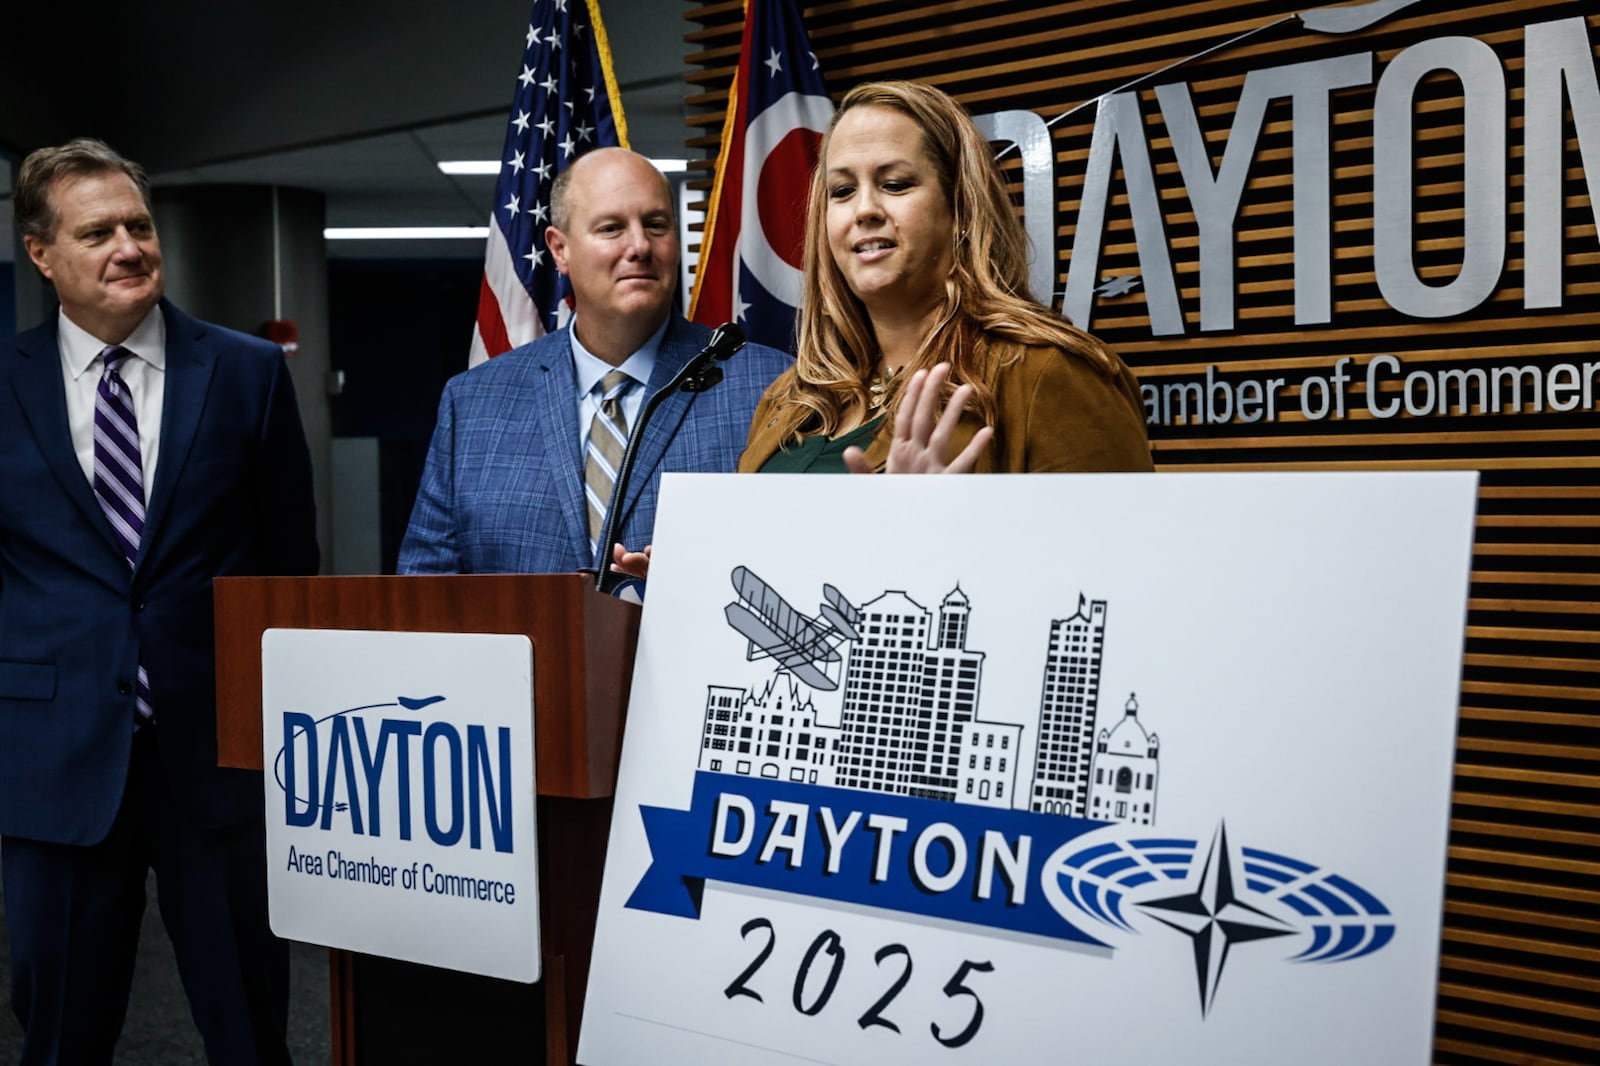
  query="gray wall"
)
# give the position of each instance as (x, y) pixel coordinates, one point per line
(266, 262)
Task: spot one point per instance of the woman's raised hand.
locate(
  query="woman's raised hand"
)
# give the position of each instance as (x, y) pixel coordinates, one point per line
(922, 433)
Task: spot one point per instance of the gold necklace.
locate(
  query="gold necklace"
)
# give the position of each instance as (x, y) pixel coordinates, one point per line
(878, 386)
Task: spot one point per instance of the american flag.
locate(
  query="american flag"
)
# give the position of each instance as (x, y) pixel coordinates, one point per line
(778, 108)
(566, 103)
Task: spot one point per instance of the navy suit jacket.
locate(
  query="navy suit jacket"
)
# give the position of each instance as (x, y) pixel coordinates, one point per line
(502, 491)
(232, 495)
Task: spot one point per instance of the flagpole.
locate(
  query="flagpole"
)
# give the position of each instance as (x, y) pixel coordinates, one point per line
(732, 120)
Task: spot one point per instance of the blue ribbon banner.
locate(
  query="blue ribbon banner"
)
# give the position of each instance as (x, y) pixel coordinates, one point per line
(961, 862)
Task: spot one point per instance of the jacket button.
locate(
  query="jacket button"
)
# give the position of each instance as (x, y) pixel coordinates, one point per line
(138, 605)
(124, 688)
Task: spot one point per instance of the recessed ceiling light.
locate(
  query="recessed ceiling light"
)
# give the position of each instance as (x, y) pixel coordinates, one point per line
(470, 166)
(491, 166)
(405, 233)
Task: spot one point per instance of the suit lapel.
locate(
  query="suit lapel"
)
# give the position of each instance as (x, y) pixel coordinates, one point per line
(557, 420)
(42, 398)
(190, 363)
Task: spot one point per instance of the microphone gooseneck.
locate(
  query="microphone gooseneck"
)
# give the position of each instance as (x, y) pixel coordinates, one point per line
(697, 375)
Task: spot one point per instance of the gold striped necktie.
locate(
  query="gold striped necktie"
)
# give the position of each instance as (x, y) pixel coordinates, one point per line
(608, 439)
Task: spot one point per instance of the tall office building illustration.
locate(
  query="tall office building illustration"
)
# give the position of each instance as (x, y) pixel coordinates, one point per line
(1067, 704)
(948, 701)
(907, 697)
(878, 745)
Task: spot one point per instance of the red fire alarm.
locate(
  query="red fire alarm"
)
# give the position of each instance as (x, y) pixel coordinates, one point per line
(285, 334)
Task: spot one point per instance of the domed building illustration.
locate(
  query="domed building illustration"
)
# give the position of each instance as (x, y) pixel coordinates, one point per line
(1125, 771)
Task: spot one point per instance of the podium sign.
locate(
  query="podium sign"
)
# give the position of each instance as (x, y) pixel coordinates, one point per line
(1100, 768)
(400, 796)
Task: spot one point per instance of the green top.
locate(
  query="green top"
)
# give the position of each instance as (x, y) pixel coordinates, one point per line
(818, 454)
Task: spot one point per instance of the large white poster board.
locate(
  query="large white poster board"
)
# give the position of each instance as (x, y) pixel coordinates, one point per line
(400, 796)
(1036, 769)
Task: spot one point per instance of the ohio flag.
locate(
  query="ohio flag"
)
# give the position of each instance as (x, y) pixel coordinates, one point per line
(566, 103)
(778, 108)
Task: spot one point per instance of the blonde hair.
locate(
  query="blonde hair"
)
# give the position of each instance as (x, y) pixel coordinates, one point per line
(986, 294)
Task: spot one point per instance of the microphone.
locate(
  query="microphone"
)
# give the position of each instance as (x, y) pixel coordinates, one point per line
(697, 375)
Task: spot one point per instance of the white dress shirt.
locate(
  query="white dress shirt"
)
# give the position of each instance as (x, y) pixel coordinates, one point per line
(145, 375)
(590, 368)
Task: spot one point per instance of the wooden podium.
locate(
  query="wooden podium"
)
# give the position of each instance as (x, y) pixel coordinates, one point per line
(386, 1011)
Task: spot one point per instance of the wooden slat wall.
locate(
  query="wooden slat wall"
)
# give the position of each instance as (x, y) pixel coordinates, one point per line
(1522, 913)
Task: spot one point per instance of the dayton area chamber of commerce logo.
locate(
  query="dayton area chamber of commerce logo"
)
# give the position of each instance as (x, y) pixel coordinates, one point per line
(383, 770)
(913, 802)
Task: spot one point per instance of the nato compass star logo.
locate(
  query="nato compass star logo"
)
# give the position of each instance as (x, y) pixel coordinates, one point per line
(1214, 918)
(1199, 896)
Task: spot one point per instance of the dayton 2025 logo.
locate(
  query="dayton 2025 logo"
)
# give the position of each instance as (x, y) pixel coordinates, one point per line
(911, 803)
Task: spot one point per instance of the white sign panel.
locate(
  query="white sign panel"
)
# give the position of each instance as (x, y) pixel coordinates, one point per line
(1095, 768)
(400, 796)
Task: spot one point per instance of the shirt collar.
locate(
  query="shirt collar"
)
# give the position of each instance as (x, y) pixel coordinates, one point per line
(79, 347)
(590, 368)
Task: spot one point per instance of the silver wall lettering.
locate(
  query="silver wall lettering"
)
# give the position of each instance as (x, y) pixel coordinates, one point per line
(1120, 126)
(1556, 52)
(1346, 19)
(1215, 198)
(1559, 73)
(1027, 131)
(1484, 103)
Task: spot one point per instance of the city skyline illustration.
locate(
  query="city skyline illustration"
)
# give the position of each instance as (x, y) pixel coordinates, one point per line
(911, 722)
(910, 717)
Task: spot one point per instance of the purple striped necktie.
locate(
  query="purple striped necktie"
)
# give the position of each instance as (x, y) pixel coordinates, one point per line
(118, 476)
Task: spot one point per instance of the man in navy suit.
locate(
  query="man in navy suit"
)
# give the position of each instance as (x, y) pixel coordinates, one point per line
(142, 453)
(512, 483)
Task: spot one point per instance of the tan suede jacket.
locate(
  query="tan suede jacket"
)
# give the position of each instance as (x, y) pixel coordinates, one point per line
(1054, 412)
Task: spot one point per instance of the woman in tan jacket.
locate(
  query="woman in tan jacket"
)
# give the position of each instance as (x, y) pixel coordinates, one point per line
(920, 348)
(916, 299)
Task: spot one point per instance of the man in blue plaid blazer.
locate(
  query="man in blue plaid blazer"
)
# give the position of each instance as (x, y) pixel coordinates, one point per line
(503, 490)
